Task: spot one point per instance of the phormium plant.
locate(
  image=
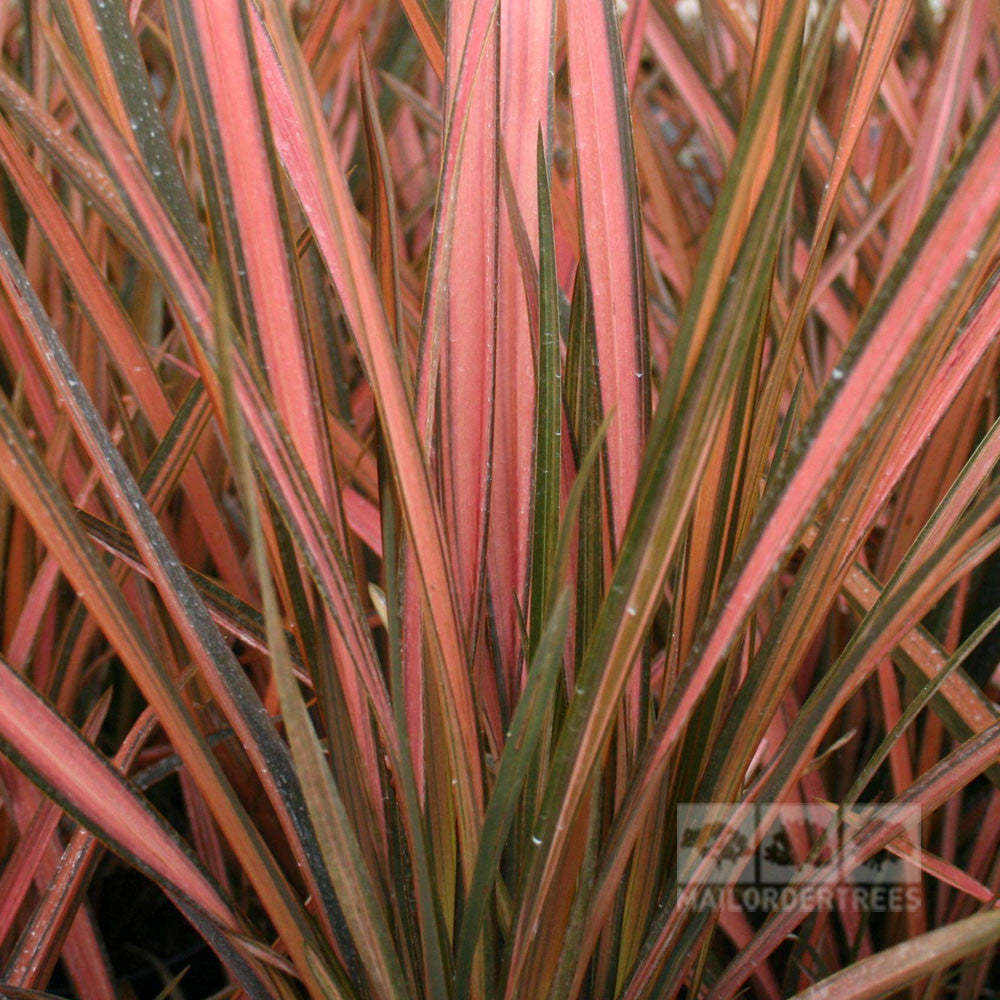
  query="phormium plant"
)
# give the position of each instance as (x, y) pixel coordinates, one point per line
(498, 498)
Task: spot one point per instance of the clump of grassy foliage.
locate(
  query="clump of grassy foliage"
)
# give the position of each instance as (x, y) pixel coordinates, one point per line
(440, 440)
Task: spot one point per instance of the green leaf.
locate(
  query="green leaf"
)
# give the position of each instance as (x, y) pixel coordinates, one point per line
(523, 738)
(548, 419)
